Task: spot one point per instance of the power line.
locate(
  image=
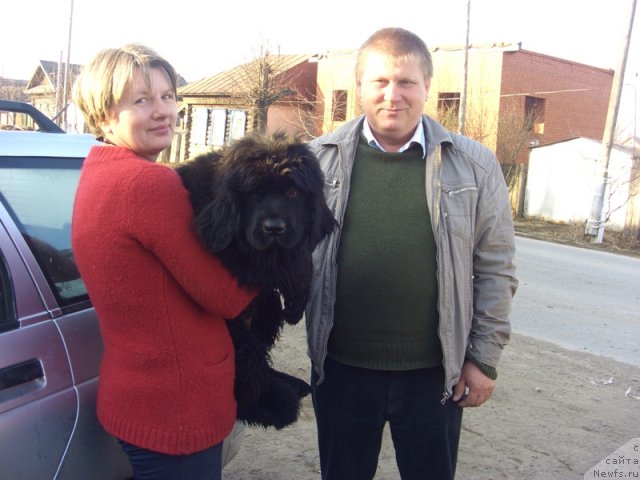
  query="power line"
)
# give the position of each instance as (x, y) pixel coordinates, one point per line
(550, 92)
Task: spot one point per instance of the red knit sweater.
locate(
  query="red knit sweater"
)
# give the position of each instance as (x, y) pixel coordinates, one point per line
(166, 378)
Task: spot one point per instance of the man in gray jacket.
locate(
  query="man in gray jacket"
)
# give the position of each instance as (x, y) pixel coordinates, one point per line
(410, 302)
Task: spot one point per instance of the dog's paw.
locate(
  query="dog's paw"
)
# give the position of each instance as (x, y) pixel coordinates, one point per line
(296, 384)
(292, 317)
(302, 388)
(293, 312)
(278, 407)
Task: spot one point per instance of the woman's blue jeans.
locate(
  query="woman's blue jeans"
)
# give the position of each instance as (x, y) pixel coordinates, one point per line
(149, 465)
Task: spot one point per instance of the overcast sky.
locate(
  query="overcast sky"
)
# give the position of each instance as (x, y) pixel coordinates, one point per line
(202, 38)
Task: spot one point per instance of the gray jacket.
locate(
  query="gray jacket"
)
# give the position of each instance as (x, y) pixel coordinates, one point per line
(471, 219)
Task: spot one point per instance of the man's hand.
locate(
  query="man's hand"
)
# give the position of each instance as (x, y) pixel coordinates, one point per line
(477, 385)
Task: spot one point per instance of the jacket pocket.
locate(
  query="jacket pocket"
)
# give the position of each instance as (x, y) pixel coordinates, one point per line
(459, 209)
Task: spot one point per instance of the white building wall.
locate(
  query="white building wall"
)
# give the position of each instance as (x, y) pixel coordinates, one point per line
(562, 179)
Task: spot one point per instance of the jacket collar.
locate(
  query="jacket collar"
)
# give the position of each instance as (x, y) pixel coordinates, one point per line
(435, 133)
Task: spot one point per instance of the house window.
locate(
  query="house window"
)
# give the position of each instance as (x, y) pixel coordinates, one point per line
(238, 124)
(448, 109)
(217, 127)
(339, 111)
(199, 126)
(534, 114)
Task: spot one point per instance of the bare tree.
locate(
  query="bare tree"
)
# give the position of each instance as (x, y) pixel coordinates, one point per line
(261, 83)
(476, 121)
(318, 114)
(448, 117)
(516, 129)
(622, 189)
(13, 90)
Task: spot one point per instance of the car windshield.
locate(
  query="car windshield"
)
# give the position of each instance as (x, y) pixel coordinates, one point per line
(39, 193)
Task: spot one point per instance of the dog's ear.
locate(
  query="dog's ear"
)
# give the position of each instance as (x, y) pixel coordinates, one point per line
(218, 223)
(322, 223)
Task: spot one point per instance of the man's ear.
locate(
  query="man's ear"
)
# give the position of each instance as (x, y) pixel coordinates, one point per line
(427, 85)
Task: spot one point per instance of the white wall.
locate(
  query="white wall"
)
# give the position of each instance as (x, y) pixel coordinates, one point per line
(562, 179)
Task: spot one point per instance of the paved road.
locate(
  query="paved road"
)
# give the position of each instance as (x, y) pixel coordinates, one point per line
(578, 298)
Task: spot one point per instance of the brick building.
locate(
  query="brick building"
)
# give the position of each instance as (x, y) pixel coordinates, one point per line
(572, 98)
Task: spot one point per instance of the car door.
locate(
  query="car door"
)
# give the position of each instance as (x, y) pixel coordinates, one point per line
(50, 344)
(38, 404)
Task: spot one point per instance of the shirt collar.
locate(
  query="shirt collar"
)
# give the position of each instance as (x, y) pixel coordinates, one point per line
(418, 137)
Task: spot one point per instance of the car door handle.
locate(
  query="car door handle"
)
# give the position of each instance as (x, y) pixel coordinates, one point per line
(20, 373)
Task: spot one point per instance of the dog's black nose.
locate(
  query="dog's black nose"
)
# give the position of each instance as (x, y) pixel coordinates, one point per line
(274, 226)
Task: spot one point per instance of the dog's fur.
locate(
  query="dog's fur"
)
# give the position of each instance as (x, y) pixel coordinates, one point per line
(260, 207)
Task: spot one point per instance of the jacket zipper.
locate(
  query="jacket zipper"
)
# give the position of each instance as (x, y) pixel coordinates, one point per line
(435, 215)
(451, 192)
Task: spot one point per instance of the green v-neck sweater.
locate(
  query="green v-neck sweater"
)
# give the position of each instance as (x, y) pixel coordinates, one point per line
(386, 314)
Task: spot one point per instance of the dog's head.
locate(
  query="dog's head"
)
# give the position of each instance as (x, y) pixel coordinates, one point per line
(268, 194)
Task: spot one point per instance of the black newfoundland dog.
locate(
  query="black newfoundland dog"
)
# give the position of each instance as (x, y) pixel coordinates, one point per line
(260, 207)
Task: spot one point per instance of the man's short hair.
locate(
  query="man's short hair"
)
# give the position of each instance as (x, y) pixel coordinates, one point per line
(399, 43)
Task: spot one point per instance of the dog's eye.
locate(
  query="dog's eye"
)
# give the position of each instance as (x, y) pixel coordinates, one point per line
(292, 193)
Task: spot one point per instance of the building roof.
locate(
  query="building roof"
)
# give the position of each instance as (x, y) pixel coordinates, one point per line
(51, 68)
(229, 81)
(508, 47)
(591, 141)
(45, 76)
(501, 46)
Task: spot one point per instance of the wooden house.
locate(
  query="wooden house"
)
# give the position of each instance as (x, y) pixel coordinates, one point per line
(218, 109)
(46, 91)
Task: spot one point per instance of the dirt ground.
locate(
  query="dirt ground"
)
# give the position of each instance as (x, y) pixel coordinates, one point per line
(623, 243)
(554, 415)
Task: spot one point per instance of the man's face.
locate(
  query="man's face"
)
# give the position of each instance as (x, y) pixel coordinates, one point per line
(392, 94)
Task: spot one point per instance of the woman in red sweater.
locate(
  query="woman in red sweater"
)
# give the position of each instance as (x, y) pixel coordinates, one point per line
(166, 378)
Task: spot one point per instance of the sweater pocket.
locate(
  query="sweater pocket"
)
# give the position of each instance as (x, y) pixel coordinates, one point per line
(213, 378)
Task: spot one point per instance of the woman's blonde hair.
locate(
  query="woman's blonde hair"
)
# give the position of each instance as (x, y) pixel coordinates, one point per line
(103, 81)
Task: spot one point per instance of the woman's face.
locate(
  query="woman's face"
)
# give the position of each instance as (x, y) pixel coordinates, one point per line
(144, 119)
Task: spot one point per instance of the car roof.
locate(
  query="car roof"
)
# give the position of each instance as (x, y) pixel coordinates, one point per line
(42, 144)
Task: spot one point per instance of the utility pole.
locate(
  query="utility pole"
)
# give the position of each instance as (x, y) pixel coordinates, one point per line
(58, 87)
(67, 73)
(462, 111)
(596, 221)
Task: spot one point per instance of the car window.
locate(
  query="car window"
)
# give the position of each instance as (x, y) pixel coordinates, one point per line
(39, 193)
(17, 121)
